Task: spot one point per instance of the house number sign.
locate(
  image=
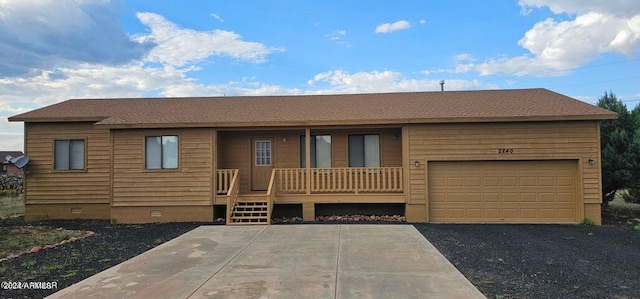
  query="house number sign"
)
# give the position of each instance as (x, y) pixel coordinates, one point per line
(505, 151)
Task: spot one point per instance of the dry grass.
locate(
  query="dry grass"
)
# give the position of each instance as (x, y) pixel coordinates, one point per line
(619, 204)
(11, 206)
(19, 239)
(22, 238)
(623, 212)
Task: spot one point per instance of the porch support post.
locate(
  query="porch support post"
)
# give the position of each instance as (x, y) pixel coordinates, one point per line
(308, 211)
(307, 157)
(308, 207)
(214, 165)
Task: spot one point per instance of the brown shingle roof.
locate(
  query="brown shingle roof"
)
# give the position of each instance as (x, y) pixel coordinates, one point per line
(413, 107)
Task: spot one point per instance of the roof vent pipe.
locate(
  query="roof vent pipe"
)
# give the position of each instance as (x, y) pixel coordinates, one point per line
(441, 85)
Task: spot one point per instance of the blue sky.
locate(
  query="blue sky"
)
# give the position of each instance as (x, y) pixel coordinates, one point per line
(53, 50)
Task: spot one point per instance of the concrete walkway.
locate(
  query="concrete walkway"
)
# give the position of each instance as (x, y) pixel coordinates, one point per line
(284, 261)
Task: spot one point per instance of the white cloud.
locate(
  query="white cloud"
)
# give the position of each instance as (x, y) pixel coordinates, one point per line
(338, 37)
(340, 81)
(217, 17)
(45, 33)
(556, 47)
(464, 57)
(391, 27)
(179, 46)
(612, 7)
(11, 135)
(423, 21)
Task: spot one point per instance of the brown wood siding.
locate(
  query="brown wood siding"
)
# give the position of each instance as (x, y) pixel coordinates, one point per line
(235, 153)
(36, 212)
(190, 184)
(391, 148)
(529, 141)
(287, 153)
(339, 148)
(48, 186)
(149, 214)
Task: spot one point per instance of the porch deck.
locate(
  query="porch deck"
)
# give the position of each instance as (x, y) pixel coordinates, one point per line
(309, 186)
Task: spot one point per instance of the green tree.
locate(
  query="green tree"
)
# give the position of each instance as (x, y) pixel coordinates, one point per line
(620, 145)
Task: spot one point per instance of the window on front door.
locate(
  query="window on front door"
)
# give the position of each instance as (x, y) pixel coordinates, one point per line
(364, 150)
(320, 151)
(263, 152)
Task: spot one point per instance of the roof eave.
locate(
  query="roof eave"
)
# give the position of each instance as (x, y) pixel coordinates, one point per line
(358, 122)
(54, 119)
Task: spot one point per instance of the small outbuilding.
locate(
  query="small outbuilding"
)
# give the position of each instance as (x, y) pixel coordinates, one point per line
(7, 159)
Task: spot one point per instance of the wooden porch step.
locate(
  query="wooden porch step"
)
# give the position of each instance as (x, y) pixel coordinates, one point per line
(251, 204)
(248, 218)
(250, 209)
(251, 199)
(250, 213)
(247, 223)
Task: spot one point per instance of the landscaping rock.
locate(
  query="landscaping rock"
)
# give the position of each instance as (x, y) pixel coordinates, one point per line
(358, 218)
(12, 182)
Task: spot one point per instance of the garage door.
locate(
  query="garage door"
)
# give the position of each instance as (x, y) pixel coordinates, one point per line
(503, 191)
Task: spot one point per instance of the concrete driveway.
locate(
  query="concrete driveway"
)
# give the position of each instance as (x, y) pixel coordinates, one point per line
(284, 261)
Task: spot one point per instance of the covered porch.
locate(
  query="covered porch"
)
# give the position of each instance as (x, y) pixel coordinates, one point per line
(257, 169)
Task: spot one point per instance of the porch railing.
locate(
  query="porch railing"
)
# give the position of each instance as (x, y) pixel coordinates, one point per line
(271, 194)
(232, 194)
(223, 180)
(341, 180)
(291, 180)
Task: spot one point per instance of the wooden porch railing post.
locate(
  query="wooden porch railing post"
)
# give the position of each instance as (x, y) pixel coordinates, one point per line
(271, 193)
(232, 194)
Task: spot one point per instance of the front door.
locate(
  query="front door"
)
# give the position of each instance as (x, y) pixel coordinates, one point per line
(262, 163)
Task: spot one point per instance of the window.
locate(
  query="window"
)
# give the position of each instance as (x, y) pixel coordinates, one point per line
(161, 152)
(364, 150)
(320, 151)
(263, 152)
(69, 154)
(4, 168)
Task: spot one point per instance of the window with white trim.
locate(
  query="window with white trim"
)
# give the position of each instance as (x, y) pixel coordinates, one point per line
(320, 151)
(161, 152)
(68, 154)
(364, 150)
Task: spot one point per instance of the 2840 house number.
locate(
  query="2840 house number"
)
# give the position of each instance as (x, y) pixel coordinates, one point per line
(505, 151)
